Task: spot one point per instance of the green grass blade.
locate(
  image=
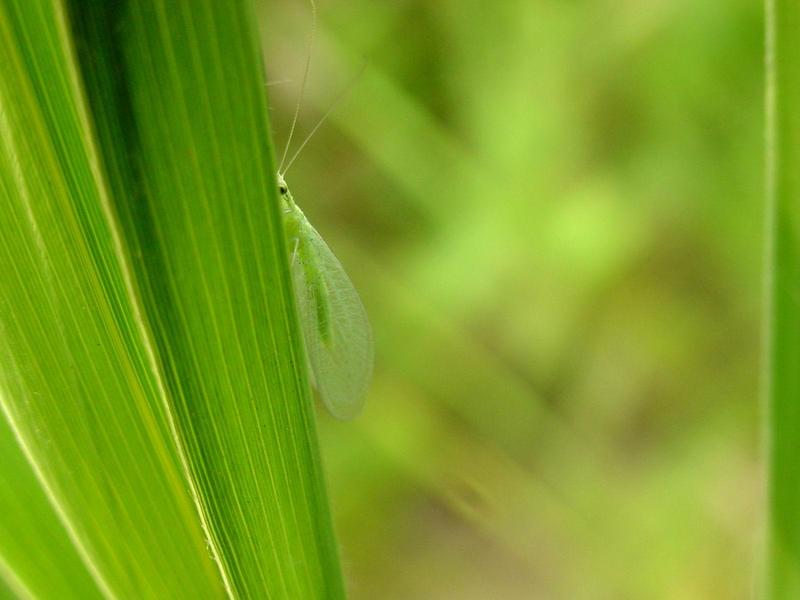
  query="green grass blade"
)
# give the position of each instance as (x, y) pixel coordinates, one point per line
(783, 394)
(32, 539)
(78, 387)
(178, 96)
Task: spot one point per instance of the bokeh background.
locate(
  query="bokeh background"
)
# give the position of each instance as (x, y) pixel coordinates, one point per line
(553, 212)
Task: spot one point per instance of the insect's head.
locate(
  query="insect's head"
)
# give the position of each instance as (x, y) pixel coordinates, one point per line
(282, 187)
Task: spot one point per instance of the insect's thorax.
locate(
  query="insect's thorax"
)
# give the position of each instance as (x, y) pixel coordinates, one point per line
(293, 218)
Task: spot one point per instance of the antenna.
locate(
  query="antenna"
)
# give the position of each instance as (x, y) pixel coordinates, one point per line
(328, 112)
(311, 36)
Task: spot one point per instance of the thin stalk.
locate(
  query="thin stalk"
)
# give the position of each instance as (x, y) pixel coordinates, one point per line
(783, 298)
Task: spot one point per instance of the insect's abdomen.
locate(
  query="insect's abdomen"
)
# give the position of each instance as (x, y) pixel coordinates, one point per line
(319, 291)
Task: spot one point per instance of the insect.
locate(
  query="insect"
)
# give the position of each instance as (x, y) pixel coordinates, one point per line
(336, 330)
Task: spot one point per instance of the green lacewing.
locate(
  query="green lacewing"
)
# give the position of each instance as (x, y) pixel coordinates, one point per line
(336, 330)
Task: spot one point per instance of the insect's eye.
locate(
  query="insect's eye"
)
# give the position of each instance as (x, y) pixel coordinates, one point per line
(283, 189)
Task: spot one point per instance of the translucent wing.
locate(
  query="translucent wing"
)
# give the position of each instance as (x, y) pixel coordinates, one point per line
(335, 326)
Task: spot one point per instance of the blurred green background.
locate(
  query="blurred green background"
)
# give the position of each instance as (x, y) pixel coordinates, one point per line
(553, 212)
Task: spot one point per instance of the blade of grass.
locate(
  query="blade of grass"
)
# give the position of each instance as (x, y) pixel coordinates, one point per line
(783, 269)
(180, 110)
(78, 387)
(32, 540)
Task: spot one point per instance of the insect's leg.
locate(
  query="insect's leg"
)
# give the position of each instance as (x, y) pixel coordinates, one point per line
(294, 252)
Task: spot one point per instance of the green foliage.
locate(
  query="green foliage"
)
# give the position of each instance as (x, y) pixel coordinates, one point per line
(783, 426)
(552, 211)
(32, 539)
(152, 362)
